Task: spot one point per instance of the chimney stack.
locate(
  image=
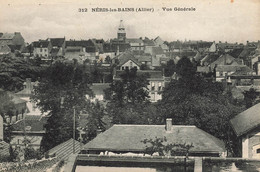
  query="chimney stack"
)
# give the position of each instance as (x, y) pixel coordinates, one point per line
(168, 124)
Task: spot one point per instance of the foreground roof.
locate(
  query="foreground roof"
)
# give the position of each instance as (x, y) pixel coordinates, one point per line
(65, 149)
(130, 137)
(246, 120)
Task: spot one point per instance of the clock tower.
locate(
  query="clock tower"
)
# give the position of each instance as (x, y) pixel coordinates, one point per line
(121, 34)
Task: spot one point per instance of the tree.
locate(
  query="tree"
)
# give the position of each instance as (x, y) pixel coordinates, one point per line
(63, 88)
(108, 59)
(128, 97)
(6, 108)
(250, 97)
(193, 100)
(170, 68)
(94, 122)
(160, 146)
(14, 70)
(185, 68)
(96, 75)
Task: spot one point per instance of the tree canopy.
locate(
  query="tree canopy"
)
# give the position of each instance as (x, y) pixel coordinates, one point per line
(63, 87)
(6, 108)
(193, 100)
(128, 98)
(14, 70)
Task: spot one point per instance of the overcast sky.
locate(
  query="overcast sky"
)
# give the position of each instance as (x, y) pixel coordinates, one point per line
(219, 20)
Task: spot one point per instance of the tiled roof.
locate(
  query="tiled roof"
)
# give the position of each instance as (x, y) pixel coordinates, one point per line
(5, 42)
(7, 36)
(54, 51)
(122, 62)
(125, 57)
(224, 46)
(57, 41)
(246, 120)
(15, 47)
(203, 44)
(5, 49)
(234, 68)
(208, 59)
(143, 58)
(41, 44)
(73, 49)
(88, 44)
(175, 45)
(157, 50)
(98, 88)
(134, 40)
(158, 38)
(148, 42)
(130, 137)
(225, 59)
(4, 149)
(198, 57)
(152, 74)
(34, 121)
(65, 149)
(203, 69)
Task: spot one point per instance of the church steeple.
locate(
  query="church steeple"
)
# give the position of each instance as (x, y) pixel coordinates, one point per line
(121, 34)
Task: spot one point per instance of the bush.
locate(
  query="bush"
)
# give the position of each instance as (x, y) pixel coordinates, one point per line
(30, 153)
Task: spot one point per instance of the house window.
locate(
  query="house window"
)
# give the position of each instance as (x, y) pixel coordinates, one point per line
(159, 86)
(123, 68)
(258, 150)
(220, 73)
(126, 67)
(131, 64)
(45, 50)
(152, 86)
(40, 49)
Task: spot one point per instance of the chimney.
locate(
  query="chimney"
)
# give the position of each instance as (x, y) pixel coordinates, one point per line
(168, 124)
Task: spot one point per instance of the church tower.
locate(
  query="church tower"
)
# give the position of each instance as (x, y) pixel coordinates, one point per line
(121, 34)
